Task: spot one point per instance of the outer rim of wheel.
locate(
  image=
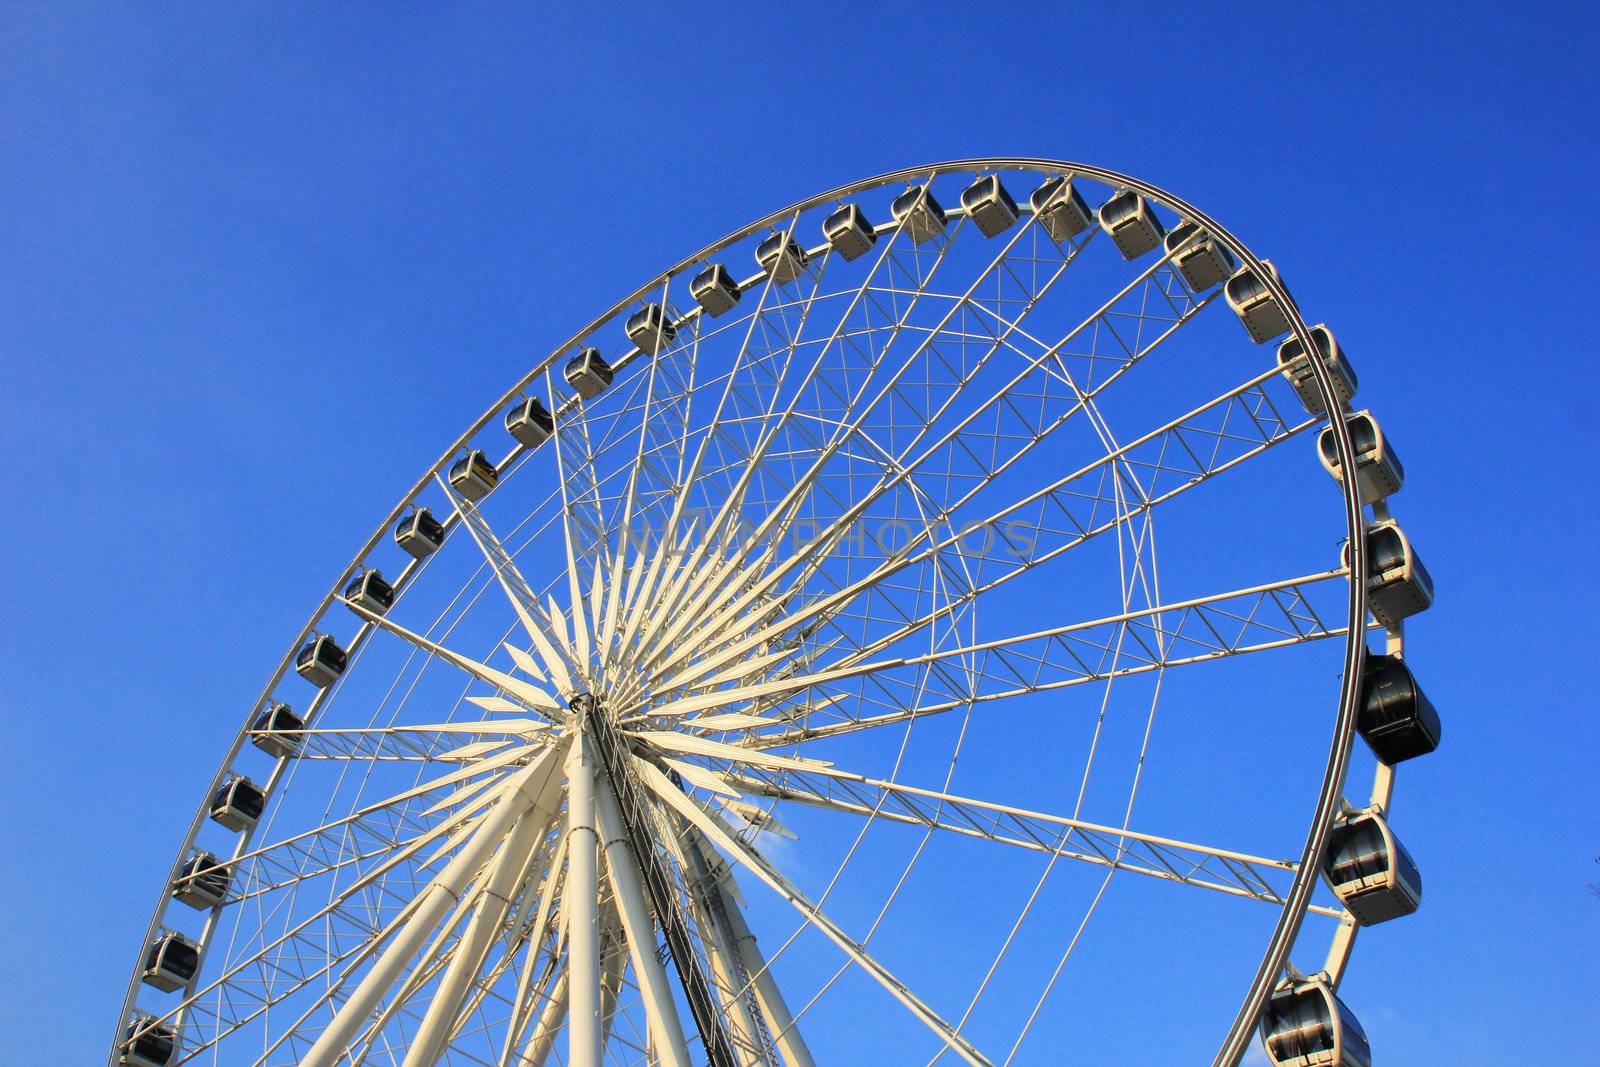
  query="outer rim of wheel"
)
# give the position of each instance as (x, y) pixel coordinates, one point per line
(1330, 792)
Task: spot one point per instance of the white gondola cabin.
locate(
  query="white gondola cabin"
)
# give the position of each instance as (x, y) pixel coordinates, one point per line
(1397, 720)
(714, 290)
(781, 256)
(849, 232)
(1263, 316)
(588, 373)
(147, 1043)
(1379, 472)
(238, 803)
(276, 730)
(202, 881)
(1368, 870)
(1297, 370)
(649, 329)
(321, 661)
(989, 205)
(530, 422)
(1398, 585)
(419, 533)
(920, 214)
(473, 476)
(1131, 223)
(1306, 1025)
(172, 960)
(1061, 209)
(370, 591)
(1198, 257)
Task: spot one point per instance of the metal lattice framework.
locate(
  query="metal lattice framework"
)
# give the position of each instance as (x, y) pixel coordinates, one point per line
(862, 541)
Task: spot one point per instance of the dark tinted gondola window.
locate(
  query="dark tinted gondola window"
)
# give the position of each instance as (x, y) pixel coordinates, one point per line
(1299, 1024)
(181, 958)
(1386, 549)
(155, 1044)
(1363, 434)
(203, 871)
(248, 800)
(1358, 852)
(1119, 209)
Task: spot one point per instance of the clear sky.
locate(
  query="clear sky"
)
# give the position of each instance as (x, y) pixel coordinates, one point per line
(259, 263)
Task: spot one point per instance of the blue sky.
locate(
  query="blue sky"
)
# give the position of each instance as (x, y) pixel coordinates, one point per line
(257, 265)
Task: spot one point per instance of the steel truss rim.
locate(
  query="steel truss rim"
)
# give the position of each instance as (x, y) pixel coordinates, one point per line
(1331, 791)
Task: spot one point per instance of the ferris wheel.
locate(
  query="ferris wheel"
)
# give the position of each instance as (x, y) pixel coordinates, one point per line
(785, 672)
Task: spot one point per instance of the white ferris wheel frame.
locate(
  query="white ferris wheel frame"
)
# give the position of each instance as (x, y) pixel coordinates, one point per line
(1327, 808)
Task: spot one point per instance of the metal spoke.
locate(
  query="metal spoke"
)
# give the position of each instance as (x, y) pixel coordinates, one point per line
(1223, 870)
(1281, 611)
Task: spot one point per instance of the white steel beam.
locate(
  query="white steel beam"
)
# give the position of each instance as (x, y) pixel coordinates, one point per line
(774, 1008)
(581, 906)
(666, 1029)
(495, 902)
(440, 895)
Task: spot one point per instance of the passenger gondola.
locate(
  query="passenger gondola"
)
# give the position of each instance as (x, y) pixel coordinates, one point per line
(530, 422)
(1061, 209)
(588, 372)
(1297, 370)
(1131, 223)
(849, 232)
(989, 205)
(473, 476)
(1263, 317)
(155, 1045)
(714, 289)
(1368, 870)
(781, 256)
(649, 329)
(1306, 1025)
(202, 881)
(171, 961)
(1379, 472)
(419, 533)
(1397, 720)
(238, 803)
(1198, 257)
(919, 213)
(370, 591)
(1398, 585)
(321, 661)
(276, 730)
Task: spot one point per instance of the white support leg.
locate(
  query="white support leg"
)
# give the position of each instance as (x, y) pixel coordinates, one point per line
(742, 1029)
(467, 962)
(714, 934)
(581, 903)
(440, 894)
(614, 961)
(780, 1021)
(548, 1025)
(666, 1029)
